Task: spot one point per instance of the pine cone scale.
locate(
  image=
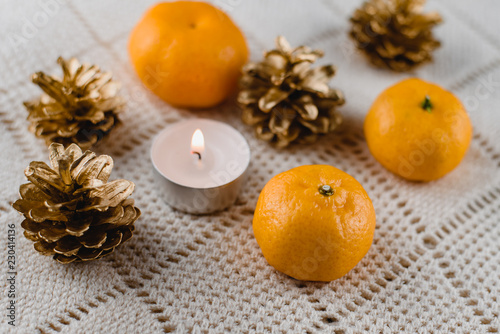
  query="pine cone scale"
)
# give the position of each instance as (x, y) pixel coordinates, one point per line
(253, 116)
(113, 216)
(112, 240)
(67, 246)
(45, 248)
(272, 98)
(249, 96)
(41, 213)
(46, 179)
(306, 109)
(30, 192)
(53, 233)
(98, 168)
(87, 254)
(129, 216)
(94, 240)
(79, 164)
(78, 226)
(109, 194)
(63, 259)
(30, 236)
(50, 86)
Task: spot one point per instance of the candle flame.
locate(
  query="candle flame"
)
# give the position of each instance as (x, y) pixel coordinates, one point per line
(198, 143)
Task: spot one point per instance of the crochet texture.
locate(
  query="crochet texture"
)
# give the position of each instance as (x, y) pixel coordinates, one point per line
(435, 261)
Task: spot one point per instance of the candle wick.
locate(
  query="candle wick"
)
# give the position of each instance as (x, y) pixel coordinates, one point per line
(197, 153)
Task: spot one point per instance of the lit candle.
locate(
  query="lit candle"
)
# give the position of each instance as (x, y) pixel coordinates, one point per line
(199, 165)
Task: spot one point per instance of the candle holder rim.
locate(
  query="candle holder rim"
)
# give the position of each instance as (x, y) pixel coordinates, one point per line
(201, 188)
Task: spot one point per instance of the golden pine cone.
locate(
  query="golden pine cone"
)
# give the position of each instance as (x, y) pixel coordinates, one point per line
(71, 211)
(285, 99)
(81, 108)
(395, 33)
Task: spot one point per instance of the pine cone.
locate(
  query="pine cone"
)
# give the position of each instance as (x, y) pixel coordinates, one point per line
(395, 33)
(285, 99)
(81, 108)
(71, 211)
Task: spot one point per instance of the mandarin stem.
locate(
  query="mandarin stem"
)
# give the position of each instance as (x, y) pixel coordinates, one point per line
(427, 105)
(326, 190)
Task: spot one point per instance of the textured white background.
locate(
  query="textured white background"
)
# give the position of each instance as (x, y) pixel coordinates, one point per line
(434, 265)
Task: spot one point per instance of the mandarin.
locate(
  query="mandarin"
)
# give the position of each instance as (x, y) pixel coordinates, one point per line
(418, 130)
(314, 222)
(188, 53)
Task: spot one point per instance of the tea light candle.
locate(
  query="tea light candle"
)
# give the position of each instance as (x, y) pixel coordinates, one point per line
(199, 165)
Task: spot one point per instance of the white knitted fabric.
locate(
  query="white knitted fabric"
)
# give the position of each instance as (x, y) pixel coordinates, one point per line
(434, 266)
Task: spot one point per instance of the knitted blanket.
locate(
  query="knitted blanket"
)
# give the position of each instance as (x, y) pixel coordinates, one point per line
(434, 265)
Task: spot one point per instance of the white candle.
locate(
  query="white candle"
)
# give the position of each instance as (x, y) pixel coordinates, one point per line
(199, 165)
